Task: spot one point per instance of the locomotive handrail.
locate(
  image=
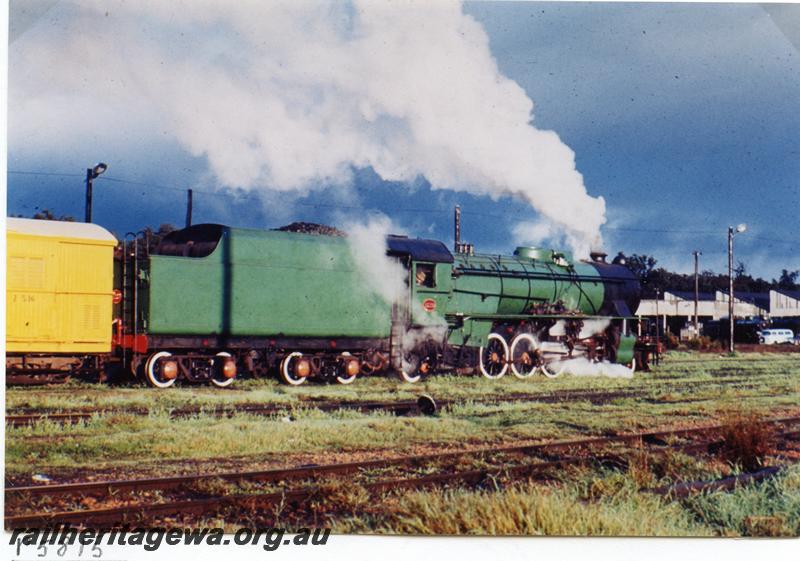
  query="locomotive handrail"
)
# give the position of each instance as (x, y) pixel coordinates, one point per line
(543, 276)
(462, 317)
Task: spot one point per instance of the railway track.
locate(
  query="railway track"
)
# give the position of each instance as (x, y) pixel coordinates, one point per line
(577, 451)
(53, 382)
(422, 405)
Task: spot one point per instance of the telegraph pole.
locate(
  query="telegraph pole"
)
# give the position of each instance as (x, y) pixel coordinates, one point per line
(696, 254)
(658, 320)
(188, 208)
(457, 226)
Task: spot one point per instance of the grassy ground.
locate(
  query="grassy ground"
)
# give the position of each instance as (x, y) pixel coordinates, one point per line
(685, 389)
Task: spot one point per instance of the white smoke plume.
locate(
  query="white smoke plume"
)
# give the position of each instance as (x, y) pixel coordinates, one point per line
(290, 96)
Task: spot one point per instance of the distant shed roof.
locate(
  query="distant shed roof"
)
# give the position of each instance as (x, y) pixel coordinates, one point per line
(790, 293)
(686, 295)
(760, 299)
(59, 229)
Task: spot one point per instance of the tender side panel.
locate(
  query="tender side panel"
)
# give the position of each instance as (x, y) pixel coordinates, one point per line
(259, 283)
(59, 294)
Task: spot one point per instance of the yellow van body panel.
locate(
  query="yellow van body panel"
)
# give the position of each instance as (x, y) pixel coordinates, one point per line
(59, 288)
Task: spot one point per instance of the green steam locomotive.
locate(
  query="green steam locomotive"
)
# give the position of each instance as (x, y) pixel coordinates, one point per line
(211, 301)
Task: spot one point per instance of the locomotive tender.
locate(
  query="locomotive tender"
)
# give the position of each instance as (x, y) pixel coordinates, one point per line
(211, 301)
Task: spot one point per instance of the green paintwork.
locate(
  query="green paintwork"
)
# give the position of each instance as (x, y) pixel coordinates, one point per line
(278, 283)
(625, 350)
(439, 293)
(505, 286)
(269, 283)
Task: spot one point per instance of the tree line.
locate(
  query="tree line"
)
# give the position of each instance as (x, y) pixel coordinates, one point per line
(643, 266)
(659, 279)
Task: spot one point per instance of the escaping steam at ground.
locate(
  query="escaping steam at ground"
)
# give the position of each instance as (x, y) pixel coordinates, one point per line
(293, 96)
(584, 367)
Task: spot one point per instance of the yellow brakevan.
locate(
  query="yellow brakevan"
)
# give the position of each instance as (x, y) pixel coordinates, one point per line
(59, 287)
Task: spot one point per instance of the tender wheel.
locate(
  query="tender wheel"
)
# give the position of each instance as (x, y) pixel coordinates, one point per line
(219, 378)
(345, 377)
(552, 369)
(159, 372)
(288, 366)
(493, 360)
(525, 356)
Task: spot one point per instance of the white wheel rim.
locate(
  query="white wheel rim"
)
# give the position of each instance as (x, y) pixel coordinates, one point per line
(227, 381)
(346, 379)
(547, 370)
(505, 358)
(149, 369)
(408, 377)
(522, 337)
(286, 375)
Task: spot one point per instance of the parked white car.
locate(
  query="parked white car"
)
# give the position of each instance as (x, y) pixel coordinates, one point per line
(775, 336)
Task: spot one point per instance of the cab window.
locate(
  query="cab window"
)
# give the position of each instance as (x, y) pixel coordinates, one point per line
(424, 275)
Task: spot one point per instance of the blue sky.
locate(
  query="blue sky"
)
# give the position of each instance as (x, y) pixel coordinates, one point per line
(683, 117)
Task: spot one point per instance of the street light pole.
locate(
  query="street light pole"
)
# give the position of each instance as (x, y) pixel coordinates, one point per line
(731, 319)
(730, 288)
(92, 174)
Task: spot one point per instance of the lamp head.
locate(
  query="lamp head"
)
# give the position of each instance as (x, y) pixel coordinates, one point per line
(741, 228)
(99, 169)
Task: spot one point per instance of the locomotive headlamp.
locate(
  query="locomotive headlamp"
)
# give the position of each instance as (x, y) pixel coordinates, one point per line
(353, 367)
(302, 368)
(169, 370)
(229, 368)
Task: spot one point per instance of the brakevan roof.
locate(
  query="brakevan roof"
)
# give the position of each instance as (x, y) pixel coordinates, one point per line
(59, 229)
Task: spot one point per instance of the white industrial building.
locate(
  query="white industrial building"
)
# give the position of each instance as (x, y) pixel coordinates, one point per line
(675, 309)
(710, 305)
(784, 303)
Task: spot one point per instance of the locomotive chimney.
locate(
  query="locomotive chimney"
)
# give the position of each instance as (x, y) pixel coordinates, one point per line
(457, 235)
(598, 256)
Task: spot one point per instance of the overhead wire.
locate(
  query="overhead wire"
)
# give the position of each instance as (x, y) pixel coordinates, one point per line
(244, 194)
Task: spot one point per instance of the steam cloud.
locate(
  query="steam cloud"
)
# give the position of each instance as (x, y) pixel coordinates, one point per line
(381, 274)
(292, 96)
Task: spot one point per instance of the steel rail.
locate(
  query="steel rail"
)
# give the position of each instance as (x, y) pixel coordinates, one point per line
(682, 490)
(120, 514)
(396, 407)
(128, 513)
(308, 472)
